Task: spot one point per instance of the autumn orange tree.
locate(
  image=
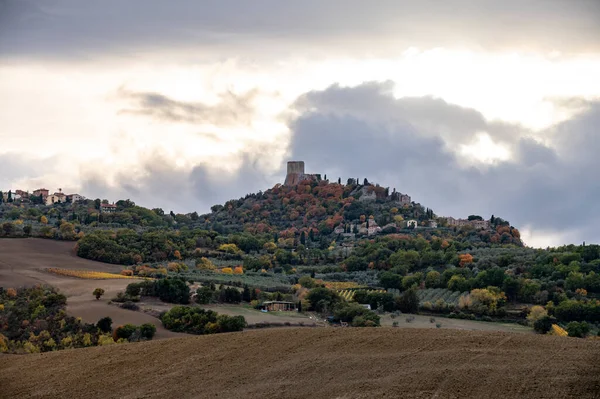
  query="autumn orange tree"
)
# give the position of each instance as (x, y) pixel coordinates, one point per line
(465, 259)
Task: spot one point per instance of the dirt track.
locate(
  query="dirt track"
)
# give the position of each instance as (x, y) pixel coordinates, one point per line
(317, 363)
(21, 264)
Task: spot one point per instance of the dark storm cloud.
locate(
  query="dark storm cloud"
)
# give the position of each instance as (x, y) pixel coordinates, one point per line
(79, 29)
(231, 109)
(549, 189)
(432, 117)
(161, 184)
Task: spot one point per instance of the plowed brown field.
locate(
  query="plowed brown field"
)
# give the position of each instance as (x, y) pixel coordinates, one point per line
(316, 363)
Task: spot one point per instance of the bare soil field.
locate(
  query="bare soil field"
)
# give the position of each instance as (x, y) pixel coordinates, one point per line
(423, 321)
(318, 363)
(22, 262)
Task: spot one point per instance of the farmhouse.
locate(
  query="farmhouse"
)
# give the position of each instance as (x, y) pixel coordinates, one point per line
(56, 198)
(41, 191)
(277, 306)
(108, 208)
(75, 198)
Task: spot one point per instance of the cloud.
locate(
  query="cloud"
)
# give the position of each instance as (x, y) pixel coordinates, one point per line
(72, 28)
(374, 103)
(364, 132)
(18, 167)
(231, 108)
(158, 182)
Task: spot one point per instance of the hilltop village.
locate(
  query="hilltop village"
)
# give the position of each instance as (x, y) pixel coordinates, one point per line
(368, 192)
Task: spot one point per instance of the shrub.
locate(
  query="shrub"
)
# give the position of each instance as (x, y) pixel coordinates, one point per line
(129, 306)
(438, 325)
(543, 324)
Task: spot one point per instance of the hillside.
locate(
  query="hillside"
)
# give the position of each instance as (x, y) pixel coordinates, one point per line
(323, 363)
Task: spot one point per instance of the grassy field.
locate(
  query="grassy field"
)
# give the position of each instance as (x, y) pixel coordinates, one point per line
(347, 363)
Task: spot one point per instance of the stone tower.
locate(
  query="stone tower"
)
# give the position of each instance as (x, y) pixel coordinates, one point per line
(295, 173)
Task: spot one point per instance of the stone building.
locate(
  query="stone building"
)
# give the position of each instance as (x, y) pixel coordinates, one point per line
(296, 174)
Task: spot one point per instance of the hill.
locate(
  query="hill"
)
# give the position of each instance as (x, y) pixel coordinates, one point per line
(323, 363)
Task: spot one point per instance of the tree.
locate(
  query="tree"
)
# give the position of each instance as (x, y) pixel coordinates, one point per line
(147, 331)
(105, 324)
(303, 238)
(578, 329)
(307, 282)
(465, 259)
(98, 292)
(543, 324)
(246, 296)
(43, 219)
(390, 280)
(322, 300)
(204, 295)
(339, 180)
(535, 313)
(408, 302)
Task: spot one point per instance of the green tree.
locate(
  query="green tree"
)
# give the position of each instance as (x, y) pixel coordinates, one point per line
(105, 324)
(433, 279)
(390, 280)
(306, 281)
(204, 295)
(147, 331)
(543, 324)
(98, 292)
(408, 302)
(322, 300)
(578, 329)
(246, 295)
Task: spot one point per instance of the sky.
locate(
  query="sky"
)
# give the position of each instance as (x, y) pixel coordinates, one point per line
(480, 107)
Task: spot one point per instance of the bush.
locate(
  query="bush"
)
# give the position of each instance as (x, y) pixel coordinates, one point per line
(129, 306)
(438, 325)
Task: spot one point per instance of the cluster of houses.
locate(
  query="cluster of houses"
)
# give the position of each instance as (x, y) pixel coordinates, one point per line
(44, 194)
(477, 224)
(49, 199)
(371, 227)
